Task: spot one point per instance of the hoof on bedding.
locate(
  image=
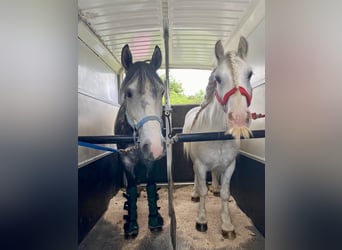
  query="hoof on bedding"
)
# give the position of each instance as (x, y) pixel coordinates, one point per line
(195, 199)
(155, 223)
(131, 235)
(217, 194)
(201, 227)
(131, 229)
(156, 229)
(231, 235)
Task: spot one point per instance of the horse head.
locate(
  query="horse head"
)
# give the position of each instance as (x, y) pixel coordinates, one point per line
(233, 89)
(142, 91)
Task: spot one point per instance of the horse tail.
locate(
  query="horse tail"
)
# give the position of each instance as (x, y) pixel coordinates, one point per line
(188, 125)
(186, 149)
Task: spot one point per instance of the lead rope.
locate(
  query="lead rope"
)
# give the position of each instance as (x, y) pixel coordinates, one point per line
(168, 122)
(255, 116)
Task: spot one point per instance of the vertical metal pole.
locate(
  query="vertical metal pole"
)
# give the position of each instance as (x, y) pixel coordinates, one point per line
(168, 125)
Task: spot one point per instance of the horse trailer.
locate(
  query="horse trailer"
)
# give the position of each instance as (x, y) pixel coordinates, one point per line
(186, 32)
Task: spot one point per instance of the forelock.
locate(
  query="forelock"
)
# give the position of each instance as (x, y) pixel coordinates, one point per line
(141, 71)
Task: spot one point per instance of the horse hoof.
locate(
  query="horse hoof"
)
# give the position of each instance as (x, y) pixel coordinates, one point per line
(156, 229)
(131, 235)
(131, 229)
(195, 199)
(231, 235)
(217, 194)
(201, 227)
(155, 223)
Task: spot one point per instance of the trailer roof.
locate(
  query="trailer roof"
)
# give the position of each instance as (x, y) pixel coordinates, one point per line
(194, 26)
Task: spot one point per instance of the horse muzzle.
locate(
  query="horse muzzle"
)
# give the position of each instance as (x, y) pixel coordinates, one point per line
(239, 119)
(238, 124)
(153, 150)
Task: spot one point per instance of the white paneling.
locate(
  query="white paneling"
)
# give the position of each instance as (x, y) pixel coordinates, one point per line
(256, 147)
(97, 100)
(94, 118)
(88, 37)
(256, 54)
(95, 78)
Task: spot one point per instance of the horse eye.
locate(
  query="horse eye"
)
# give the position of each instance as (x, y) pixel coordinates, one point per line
(129, 94)
(218, 79)
(250, 73)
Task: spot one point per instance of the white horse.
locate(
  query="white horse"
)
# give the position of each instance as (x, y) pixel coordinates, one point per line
(225, 108)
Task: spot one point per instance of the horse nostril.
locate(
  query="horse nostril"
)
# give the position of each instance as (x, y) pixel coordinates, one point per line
(230, 116)
(146, 147)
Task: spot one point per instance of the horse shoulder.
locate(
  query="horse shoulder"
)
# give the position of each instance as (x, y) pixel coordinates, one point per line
(121, 126)
(189, 117)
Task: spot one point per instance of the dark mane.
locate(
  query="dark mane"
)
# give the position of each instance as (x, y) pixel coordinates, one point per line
(143, 71)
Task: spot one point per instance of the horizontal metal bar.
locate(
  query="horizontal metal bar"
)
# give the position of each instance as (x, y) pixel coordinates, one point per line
(106, 139)
(112, 139)
(212, 136)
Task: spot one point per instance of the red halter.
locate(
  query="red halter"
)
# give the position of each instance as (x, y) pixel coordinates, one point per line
(231, 92)
(243, 92)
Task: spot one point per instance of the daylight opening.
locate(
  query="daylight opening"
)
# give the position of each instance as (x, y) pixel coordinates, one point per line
(187, 86)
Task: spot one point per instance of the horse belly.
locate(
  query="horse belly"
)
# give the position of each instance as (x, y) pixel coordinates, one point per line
(215, 154)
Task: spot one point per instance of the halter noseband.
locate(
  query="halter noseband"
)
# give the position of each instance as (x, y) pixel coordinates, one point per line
(140, 123)
(231, 92)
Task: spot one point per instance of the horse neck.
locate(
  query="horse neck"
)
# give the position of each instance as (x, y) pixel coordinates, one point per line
(212, 118)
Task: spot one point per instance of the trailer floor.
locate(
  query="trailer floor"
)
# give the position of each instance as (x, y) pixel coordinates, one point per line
(108, 232)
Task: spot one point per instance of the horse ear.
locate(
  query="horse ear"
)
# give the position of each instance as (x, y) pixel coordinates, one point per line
(156, 60)
(219, 51)
(126, 57)
(243, 47)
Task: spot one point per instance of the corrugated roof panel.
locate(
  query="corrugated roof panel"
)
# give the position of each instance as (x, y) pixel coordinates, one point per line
(194, 26)
(138, 23)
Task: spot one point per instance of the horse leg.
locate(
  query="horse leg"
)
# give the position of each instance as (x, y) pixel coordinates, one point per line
(155, 220)
(195, 197)
(201, 220)
(131, 227)
(215, 186)
(227, 227)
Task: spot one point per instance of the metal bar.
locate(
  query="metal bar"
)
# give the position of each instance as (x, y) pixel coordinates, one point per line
(97, 147)
(212, 136)
(168, 126)
(177, 130)
(106, 139)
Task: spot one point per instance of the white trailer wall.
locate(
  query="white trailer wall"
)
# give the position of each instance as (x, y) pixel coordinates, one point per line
(255, 148)
(97, 100)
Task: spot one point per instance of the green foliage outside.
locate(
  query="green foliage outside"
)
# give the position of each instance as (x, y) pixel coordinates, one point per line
(177, 95)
